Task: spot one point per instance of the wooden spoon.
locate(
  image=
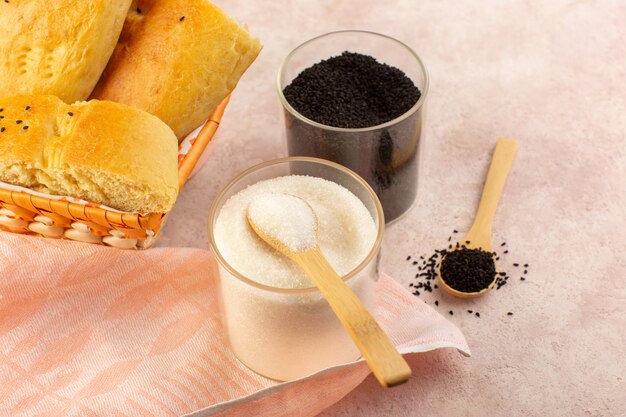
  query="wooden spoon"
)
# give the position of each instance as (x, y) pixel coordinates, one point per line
(296, 238)
(479, 234)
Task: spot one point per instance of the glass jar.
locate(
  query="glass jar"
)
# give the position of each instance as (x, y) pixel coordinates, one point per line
(287, 333)
(387, 155)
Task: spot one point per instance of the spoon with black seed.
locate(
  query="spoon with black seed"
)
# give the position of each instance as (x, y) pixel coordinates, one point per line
(469, 269)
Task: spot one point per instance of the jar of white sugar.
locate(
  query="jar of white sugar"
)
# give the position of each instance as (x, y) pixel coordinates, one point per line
(277, 322)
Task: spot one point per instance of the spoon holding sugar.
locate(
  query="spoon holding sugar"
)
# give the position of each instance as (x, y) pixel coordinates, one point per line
(289, 224)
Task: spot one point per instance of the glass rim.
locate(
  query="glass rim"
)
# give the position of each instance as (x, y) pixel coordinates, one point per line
(418, 104)
(213, 213)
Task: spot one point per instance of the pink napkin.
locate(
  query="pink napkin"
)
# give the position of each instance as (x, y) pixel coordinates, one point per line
(87, 330)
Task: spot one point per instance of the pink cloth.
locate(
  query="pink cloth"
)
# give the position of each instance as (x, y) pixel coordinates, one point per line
(88, 330)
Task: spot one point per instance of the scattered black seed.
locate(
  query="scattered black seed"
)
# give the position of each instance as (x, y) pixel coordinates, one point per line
(417, 293)
(181, 18)
(450, 238)
(506, 251)
(503, 243)
(25, 127)
(27, 108)
(502, 274)
(509, 314)
(455, 231)
(408, 258)
(415, 262)
(436, 302)
(1, 109)
(470, 311)
(1, 117)
(477, 314)
(436, 286)
(467, 242)
(449, 246)
(468, 270)
(451, 313)
(138, 10)
(522, 279)
(515, 265)
(497, 258)
(2, 129)
(18, 121)
(525, 265)
(421, 257)
(69, 113)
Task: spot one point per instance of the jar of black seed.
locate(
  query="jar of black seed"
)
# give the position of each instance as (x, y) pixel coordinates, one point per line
(357, 98)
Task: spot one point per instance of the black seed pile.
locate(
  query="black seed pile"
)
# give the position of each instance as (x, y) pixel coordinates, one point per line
(468, 270)
(428, 267)
(351, 90)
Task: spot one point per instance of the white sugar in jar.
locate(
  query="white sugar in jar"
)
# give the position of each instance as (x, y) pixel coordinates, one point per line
(278, 324)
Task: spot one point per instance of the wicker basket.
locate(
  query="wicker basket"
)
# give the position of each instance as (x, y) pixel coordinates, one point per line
(21, 212)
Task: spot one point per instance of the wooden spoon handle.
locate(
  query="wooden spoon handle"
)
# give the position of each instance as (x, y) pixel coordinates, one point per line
(494, 184)
(384, 360)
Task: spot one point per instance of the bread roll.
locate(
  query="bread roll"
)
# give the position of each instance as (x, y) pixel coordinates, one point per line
(99, 151)
(177, 59)
(57, 47)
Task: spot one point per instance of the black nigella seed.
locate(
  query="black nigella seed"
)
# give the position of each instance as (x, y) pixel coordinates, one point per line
(27, 108)
(421, 257)
(506, 251)
(417, 293)
(468, 270)
(522, 279)
(69, 113)
(1, 117)
(525, 271)
(467, 242)
(477, 314)
(450, 247)
(509, 314)
(502, 274)
(25, 128)
(525, 265)
(436, 302)
(414, 262)
(436, 286)
(352, 90)
(181, 18)
(2, 129)
(18, 121)
(451, 313)
(408, 258)
(450, 238)
(138, 10)
(470, 311)
(455, 231)
(497, 258)
(503, 243)
(1, 109)
(515, 265)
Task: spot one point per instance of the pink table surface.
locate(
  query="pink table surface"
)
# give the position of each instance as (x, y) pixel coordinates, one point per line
(551, 74)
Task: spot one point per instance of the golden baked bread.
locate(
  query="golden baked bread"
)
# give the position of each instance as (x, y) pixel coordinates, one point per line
(99, 151)
(57, 47)
(177, 59)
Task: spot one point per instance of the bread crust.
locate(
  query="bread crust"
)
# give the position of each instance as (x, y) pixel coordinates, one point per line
(177, 59)
(57, 47)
